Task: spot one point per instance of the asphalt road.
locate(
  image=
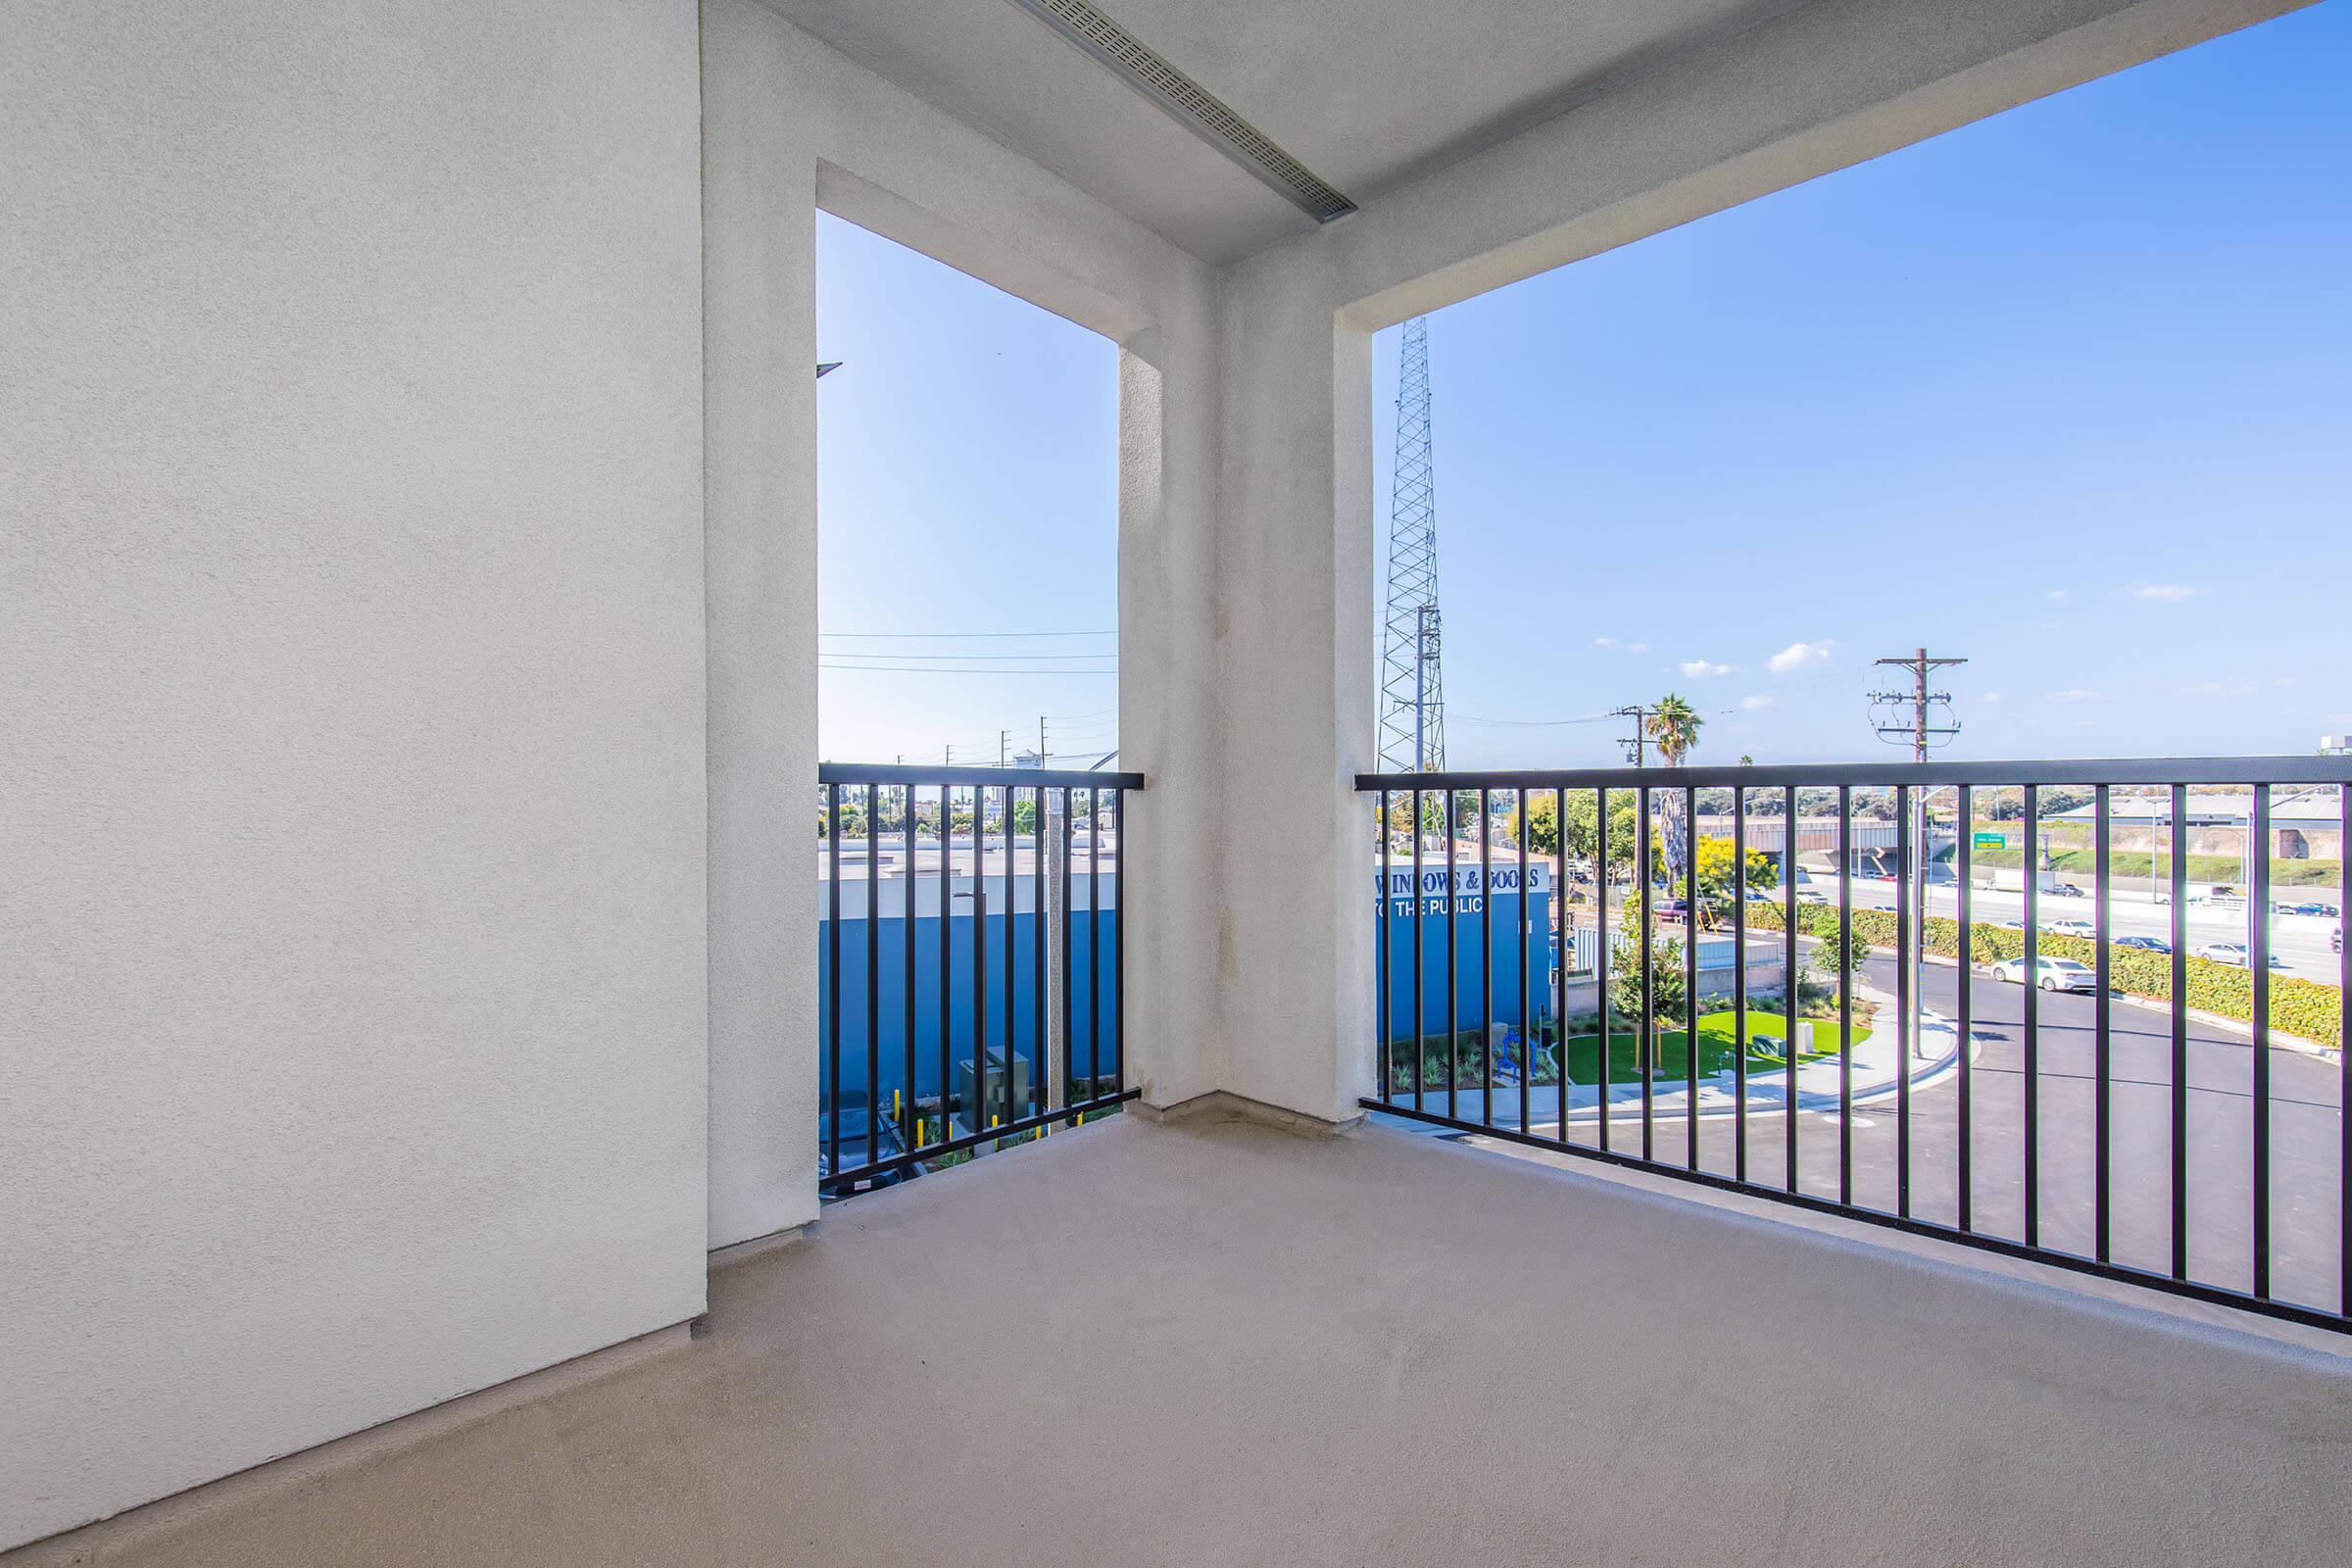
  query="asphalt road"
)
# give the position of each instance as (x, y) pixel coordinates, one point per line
(2306, 1140)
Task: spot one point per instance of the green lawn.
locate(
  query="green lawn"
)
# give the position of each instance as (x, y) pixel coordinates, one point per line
(1717, 1040)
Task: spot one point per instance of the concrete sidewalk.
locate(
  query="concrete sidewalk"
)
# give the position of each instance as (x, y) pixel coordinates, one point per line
(1875, 1076)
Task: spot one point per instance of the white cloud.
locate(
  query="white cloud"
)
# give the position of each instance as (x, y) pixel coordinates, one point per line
(2076, 694)
(2057, 593)
(1611, 642)
(1796, 656)
(1702, 669)
(2216, 688)
(2170, 592)
(1752, 704)
(1989, 697)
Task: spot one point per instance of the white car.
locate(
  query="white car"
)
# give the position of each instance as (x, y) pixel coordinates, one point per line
(2236, 954)
(2071, 928)
(2056, 974)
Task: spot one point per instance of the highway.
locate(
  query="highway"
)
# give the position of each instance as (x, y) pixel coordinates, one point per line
(2300, 942)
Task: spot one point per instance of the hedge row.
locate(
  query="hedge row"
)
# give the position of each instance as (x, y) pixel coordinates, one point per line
(2298, 1007)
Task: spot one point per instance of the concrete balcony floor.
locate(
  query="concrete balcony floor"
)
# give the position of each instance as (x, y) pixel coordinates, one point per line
(1214, 1341)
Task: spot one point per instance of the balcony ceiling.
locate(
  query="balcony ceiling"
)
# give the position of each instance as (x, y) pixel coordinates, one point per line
(1365, 93)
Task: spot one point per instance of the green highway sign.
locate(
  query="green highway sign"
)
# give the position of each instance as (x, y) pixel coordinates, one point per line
(1990, 841)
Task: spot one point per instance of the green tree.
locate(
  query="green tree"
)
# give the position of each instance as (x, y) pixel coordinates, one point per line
(1667, 995)
(1717, 868)
(1542, 824)
(1832, 965)
(1673, 727)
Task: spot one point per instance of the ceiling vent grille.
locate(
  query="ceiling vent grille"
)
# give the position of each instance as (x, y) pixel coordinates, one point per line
(1194, 106)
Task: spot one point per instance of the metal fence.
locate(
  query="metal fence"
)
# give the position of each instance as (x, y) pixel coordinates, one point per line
(2210, 1160)
(963, 1001)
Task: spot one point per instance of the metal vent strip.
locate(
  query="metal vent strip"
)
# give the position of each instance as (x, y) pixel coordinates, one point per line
(1201, 111)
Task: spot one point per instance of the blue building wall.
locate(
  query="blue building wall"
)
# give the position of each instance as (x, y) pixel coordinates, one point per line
(1472, 909)
(1088, 1047)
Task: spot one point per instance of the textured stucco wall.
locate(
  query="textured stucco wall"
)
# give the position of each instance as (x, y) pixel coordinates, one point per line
(1825, 85)
(352, 783)
(791, 124)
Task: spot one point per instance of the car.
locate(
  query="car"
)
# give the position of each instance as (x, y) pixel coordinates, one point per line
(2326, 911)
(2065, 890)
(2234, 953)
(2335, 940)
(2071, 928)
(2144, 943)
(2056, 974)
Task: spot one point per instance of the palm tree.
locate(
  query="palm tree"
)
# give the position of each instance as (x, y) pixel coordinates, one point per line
(1674, 726)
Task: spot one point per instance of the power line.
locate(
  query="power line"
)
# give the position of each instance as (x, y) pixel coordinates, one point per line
(955, 669)
(979, 658)
(1535, 723)
(958, 636)
(1637, 745)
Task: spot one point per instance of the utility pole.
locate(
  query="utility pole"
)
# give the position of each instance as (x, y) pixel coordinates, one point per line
(1923, 737)
(1041, 740)
(1637, 745)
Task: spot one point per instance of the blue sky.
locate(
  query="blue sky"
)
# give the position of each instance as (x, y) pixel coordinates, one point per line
(2067, 392)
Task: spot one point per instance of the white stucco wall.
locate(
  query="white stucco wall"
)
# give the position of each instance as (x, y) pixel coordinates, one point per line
(352, 781)
(791, 124)
(1822, 86)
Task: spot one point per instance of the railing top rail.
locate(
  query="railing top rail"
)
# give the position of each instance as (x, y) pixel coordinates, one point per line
(989, 777)
(2054, 771)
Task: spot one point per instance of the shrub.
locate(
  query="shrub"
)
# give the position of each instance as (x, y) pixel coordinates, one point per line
(2298, 1007)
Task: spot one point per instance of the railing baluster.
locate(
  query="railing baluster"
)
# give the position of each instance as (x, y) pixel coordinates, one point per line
(1845, 994)
(1690, 834)
(1965, 984)
(1905, 1000)
(1041, 1070)
(1012, 973)
(1385, 1034)
(1454, 1013)
(1600, 972)
(980, 1084)
(1420, 903)
(1094, 942)
(947, 962)
(1486, 952)
(1738, 980)
(2179, 1021)
(2031, 861)
(1118, 944)
(1790, 998)
(874, 973)
(2258, 914)
(1562, 955)
(1527, 1006)
(910, 1124)
(1648, 1039)
(2102, 1040)
(1070, 952)
(833, 979)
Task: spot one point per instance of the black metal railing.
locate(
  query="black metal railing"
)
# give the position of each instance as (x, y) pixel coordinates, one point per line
(963, 1001)
(2173, 1120)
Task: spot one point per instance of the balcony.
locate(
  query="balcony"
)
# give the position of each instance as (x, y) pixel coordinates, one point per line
(450, 1119)
(1369, 1347)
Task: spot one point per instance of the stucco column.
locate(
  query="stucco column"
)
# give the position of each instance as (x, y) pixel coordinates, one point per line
(760, 560)
(1294, 685)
